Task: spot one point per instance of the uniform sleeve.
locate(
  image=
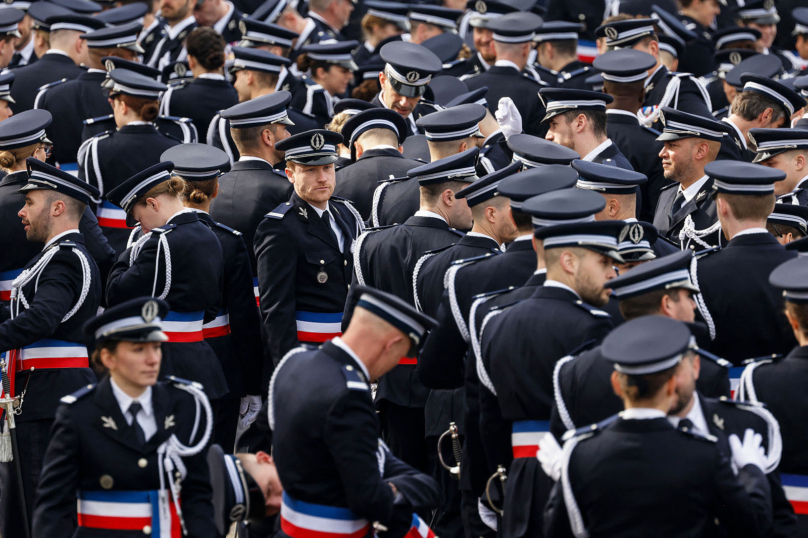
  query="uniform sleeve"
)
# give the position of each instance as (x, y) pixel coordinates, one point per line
(55, 506)
(97, 244)
(129, 282)
(744, 502)
(245, 323)
(440, 362)
(276, 258)
(419, 489)
(58, 290)
(351, 436)
(691, 100)
(556, 518)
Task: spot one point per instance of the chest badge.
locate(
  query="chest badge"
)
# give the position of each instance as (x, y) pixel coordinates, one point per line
(109, 423)
(322, 276)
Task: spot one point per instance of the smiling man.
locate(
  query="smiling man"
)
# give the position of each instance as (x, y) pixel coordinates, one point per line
(304, 248)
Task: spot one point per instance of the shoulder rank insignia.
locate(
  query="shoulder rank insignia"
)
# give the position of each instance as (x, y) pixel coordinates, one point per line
(666, 187)
(83, 391)
(715, 358)
(597, 312)
(67, 244)
(437, 250)
(391, 180)
(52, 84)
(90, 121)
(280, 211)
(493, 293)
(164, 229)
(181, 381)
(592, 428)
(695, 435)
(354, 379)
(474, 259)
(227, 228)
(706, 252)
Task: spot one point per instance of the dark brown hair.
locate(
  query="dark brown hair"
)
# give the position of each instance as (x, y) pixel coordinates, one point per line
(595, 118)
(206, 45)
(146, 108)
(199, 192)
(641, 387)
(10, 157)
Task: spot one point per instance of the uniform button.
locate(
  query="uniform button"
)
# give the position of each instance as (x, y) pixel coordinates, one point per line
(692, 247)
(322, 261)
(349, 368)
(147, 529)
(346, 262)
(106, 481)
(142, 463)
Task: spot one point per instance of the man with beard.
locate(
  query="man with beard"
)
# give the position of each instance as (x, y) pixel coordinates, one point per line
(481, 39)
(179, 18)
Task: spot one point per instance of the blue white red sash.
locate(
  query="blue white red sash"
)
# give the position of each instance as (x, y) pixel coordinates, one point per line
(795, 487)
(50, 353)
(6, 278)
(734, 379)
(525, 437)
(419, 529)
(126, 511)
(218, 327)
(184, 326)
(111, 216)
(256, 292)
(318, 327)
(306, 520)
(587, 51)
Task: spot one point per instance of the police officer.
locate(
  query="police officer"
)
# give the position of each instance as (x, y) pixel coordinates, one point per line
(752, 253)
(642, 452)
(788, 222)
(534, 152)
(328, 69)
(235, 334)
(81, 98)
(135, 107)
(175, 258)
(473, 28)
(699, 19)
(6, 80)
(762, 15)
(178, 19)
(375, 137)
(277, 40)
(428, 21)
(513, 35)
(407, 72)
(325, 437)
(577, 119)
(557, 54)
(686, 213)
(521, 344)
(786, 150)
(775, 380)
(324, 22)
(9, 34)
(726, 60)
(304, 248)
(40, 337)
(122, 430)
(624, 72)
(254, 186)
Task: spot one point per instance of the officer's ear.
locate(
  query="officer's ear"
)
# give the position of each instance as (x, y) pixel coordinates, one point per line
(382, 79)
(191, 63)
(615, 379)
(799, 162)
(765, 117)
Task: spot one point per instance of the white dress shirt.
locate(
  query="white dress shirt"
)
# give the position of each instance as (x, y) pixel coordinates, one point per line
(598, 150)
(430, 214)
(556, 284)
(333, 222)
(696, 416)
(146, 415)
(641, 413)
(692, 190)
(337, 341)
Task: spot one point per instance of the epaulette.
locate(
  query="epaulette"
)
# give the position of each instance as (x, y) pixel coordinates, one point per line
(453, 63)
(505, 306)
(706, 252)
(720, 111)
(227, 228)
(67, 244)
(179, 84)
(380, 228)
(492, 293)
(391, 180)
(539, 67)
(457, 232)
(164, 229)
(90, 121)
(340, 199)
(176, 119)
(690, 432)
(592, 428)
(597, 312)
(52, 84)
(653, 132)
(102, 135)
(666, 187)
(437, 250)
(354, 379)
(180, 381)
(83, 391)
(530, 78)
(586, 346)
(469, 75)
(772, 357)
(279, 212)
(473, 259)
(567, 76)
(736, 403)
(714, 358)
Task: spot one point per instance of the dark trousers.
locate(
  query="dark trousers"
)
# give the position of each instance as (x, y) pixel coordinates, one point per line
(33, 438)
(448, 522)
(403, 431)
(225, 423)
(472, 522)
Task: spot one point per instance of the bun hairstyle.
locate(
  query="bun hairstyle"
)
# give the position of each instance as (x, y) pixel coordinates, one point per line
(206, 45)
(199, 192)
(173, 186)
(11, 157)
(146, 108)
(306, 64)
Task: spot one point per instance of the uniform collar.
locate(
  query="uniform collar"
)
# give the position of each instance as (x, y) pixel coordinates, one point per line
(317, 17)
(526, 237)
(506, 63)
(56, 238)
(486, 65)
(182, 212)
(318, 210)
(661, 68)
(472, 235)
(124, 400)
(244, 158)
(556, 284)
(750, 231)
(740, 134)
(640, 413)
(337, 341)
(221, 24)
(212, 76)
(429, 214)
(694, 189)
(695, 415)
(492, 135)
(619, 112)
(799, 183)
(27, 50)
(598, 150)
(57, 52)
(174, 31)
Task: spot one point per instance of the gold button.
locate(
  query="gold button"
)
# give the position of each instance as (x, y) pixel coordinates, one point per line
(147, 529)
(106, 481)
(142, 463)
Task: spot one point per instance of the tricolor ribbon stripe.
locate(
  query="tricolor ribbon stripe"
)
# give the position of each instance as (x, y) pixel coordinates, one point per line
(795, 487)
(256, 292)
(49, 353)
(70, 168)
(318, 327)
(587, 51)
(111, 216)
(525, 437)
(184, 326)
(419, 529)
(218, 327)
(6, 278)
(305, 520)
(126, 511)
(734, 379)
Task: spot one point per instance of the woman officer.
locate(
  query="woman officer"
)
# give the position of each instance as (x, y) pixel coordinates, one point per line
(111, 441)
(329, 68)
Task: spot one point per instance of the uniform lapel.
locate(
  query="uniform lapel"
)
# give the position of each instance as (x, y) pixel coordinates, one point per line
(693, 204)
(110, 419)
(163, 416)
(316, 226)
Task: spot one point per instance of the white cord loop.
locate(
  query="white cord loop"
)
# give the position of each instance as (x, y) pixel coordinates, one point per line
(415, 272)
(449, 284)
(690, 232)
(700, 303)
(574, 513)
(377, 197)
(481, 372)
(561, 405)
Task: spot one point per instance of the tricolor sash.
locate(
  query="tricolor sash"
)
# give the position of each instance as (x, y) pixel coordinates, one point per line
(70, 168)
(795, 487)
(218, 327)
(734, 379)
(6, 278)
(111, 216)
(126, 511)
(408, 361)
(184, 326)
(256, 292)
(525, 437)
(306, 520)
(50, 353)
(318, 327)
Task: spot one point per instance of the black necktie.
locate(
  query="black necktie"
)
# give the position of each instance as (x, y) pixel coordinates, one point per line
(327, 220)
(677, 203)
(134, 409)
(685, 425)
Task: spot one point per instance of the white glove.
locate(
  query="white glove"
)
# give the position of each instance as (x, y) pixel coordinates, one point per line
(750, 452)
(488, 516)
(508, 118)
(549, 456)
(247, 413)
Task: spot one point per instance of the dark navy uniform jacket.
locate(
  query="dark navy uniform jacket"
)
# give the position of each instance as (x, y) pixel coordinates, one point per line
(690, 98)
(51, 296)
(693, 484)
(798, 196)
(194, 286)
(85, 448)
(200, 100)
(699, 55)
(520, 348)
(701, 209)
(72, 102)
(613, 153)
(325, 434)
(316, 31)
(149, 41)
(506, 81)
(423, 108)
(303, 277)
(30, 78)
(18, 251)
(142, 145)
(169, 48)
(240, 350)
(732, 279)
(640, 146)
(358, 181)
(386, 259)
(734, 146)
(573, 76)
(395, 201)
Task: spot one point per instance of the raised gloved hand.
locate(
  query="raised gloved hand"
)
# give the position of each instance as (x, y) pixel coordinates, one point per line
(508, 118)
(549, 456)
(750, 452)
(247, 413)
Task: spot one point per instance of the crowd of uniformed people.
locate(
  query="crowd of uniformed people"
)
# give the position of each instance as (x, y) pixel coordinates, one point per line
(357, 268)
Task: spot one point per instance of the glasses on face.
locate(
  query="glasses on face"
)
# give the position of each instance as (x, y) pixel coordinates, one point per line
(47, 149)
